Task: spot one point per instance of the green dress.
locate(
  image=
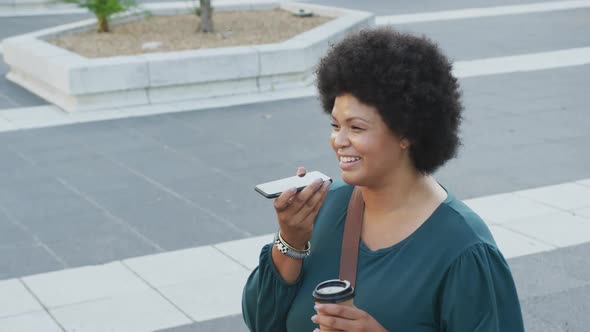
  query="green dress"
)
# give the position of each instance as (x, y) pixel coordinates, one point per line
(446, 276)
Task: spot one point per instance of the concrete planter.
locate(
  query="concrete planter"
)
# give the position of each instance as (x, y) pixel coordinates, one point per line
(76, 83)
(15, 3)
(34, 5)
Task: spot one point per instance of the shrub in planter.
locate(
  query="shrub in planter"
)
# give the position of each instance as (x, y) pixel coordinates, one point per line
(104, 9)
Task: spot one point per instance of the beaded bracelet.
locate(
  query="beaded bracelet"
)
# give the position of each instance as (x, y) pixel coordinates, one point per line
(288, 250)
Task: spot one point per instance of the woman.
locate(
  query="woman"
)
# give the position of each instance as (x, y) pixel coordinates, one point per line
(426, 261)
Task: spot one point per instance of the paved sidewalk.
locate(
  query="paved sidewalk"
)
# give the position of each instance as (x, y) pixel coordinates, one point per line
(192, 286)
(199, 168)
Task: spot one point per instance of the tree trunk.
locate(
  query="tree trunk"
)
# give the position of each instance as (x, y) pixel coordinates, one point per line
(206, 21)
(103, 24)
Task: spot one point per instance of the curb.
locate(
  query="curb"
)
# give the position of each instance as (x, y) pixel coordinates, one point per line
(51, 115)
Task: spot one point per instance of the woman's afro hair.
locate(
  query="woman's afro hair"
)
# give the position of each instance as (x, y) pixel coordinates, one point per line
(410, 83)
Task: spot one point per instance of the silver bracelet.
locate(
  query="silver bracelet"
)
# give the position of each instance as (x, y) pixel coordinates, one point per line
(285, 248)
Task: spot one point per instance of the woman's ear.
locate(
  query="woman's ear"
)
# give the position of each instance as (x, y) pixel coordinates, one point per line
(404, 143)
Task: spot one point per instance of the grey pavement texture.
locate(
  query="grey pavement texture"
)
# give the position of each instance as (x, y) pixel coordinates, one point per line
(487, 37)
(12, 26)
(97, 192)
(145, 185)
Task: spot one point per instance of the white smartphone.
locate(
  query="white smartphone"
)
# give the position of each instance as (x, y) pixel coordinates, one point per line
(274, 189)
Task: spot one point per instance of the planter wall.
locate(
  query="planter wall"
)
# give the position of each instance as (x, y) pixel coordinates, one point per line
(76, 83)
(34, 5)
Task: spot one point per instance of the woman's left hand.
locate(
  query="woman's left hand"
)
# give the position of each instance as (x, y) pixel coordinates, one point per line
(345, 318)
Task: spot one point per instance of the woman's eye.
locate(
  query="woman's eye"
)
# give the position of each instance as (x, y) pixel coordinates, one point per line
(335, 126)
(355, 128)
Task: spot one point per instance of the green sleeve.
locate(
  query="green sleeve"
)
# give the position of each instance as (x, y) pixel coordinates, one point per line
(267, 297)
(478, 294)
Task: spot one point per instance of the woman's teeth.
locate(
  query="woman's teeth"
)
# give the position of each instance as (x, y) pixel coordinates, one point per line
(349, 159)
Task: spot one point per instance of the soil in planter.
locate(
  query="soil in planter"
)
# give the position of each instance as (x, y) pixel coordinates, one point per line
(180, 32)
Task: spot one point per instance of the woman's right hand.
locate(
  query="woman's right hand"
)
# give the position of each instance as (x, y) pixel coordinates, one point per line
(296, 211)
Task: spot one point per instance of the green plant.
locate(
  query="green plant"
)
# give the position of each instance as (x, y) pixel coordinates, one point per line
(104, 9)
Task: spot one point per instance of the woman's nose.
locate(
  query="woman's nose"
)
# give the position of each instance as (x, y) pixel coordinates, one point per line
(340, 138)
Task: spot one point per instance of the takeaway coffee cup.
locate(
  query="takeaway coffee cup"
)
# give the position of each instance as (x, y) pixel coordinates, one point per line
(334, 291)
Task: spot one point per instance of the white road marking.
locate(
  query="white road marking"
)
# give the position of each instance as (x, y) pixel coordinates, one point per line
(523, 63)
(470, 13)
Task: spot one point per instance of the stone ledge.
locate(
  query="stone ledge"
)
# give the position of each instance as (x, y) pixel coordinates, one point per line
(35, 7)
(50, 7)
(76, 83)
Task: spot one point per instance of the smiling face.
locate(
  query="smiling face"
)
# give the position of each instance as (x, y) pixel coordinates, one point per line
(369, 153)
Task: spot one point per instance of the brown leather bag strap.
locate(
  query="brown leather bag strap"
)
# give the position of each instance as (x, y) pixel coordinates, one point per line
(352, 236)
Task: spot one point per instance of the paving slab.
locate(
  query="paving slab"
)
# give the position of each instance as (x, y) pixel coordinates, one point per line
(513, 208)
(245, 251)
(182, 266)
(513, 244)
(84, 284)
(134, 312)
(30, 322)
(5, 125)
(583, 212)
(559, 229)
(209, 298)
(15, 299)
(567, 197)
